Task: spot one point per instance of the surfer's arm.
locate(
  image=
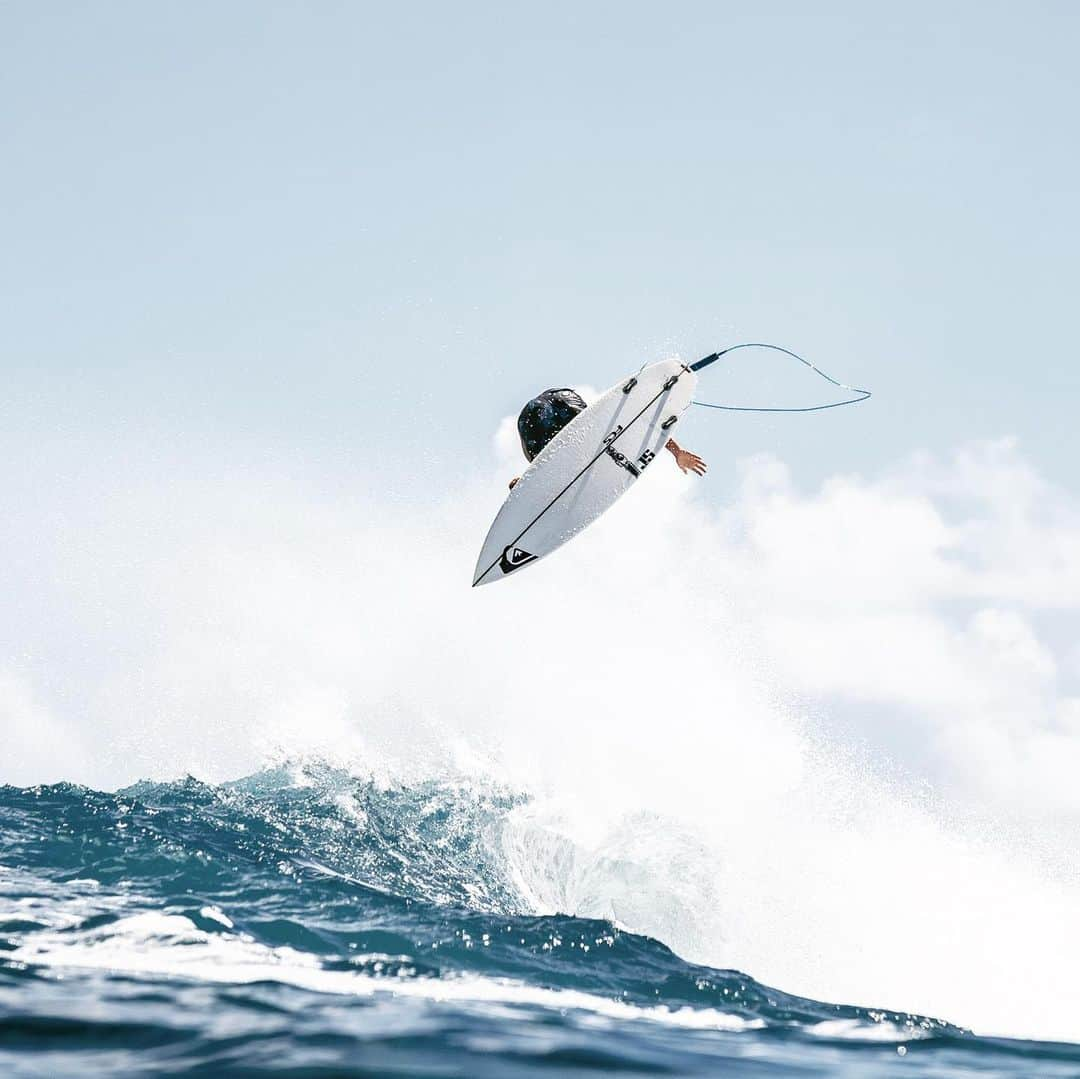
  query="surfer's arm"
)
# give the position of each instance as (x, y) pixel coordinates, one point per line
(687, 461)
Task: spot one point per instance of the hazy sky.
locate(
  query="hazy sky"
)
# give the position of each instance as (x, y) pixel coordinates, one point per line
(360, 233)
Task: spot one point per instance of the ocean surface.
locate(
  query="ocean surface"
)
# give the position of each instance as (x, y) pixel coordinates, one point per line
(304, 922)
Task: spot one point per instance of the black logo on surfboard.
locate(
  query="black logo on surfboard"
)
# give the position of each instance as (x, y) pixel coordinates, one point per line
(635, 468)
(514, 558)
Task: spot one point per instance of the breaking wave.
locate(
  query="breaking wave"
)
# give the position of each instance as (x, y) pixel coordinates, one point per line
(313, 919)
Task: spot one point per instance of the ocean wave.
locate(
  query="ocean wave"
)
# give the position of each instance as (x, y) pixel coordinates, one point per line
(308, 880)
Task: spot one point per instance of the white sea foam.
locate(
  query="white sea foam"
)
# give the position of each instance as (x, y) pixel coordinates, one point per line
(172, 945)
(829, 738)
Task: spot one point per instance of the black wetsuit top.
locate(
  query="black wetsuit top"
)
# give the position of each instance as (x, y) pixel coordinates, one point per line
(545, 416)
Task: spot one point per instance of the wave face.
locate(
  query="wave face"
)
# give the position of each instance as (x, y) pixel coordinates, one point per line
(306, 922)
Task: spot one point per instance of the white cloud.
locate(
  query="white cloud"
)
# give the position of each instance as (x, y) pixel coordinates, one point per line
(920, 590)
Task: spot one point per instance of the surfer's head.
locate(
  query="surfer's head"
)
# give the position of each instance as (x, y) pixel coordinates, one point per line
(545, 416)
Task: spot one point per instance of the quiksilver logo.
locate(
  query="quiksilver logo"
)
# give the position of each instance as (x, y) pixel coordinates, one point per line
(514, 558)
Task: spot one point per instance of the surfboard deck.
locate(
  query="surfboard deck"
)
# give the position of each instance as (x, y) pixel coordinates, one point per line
(598, 456)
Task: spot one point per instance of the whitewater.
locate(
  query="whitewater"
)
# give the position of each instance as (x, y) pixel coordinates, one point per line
(286, 796)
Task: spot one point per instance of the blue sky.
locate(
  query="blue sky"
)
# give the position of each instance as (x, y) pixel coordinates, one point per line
(354, 233)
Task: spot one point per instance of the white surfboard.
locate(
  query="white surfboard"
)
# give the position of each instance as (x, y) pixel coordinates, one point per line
(595, 458)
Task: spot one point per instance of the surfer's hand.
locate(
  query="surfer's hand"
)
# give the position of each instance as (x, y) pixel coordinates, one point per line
(690, 462)
(687, 461)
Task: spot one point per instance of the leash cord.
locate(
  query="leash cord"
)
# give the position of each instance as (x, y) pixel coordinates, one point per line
(863, 394)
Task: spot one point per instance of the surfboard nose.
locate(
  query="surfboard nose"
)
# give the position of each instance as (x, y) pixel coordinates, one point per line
(483, 574)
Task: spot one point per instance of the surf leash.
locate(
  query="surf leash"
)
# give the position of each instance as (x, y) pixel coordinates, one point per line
(703, 363)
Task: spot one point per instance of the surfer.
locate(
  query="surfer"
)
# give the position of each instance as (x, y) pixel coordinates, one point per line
(549, 412)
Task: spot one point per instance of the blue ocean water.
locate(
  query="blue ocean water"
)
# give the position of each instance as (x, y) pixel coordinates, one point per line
(304, 922)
